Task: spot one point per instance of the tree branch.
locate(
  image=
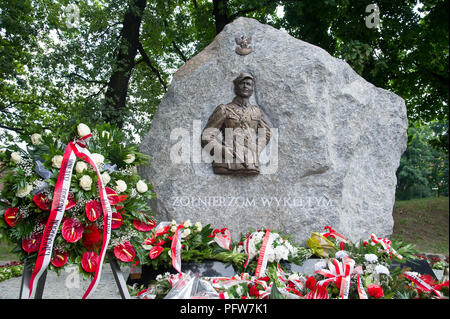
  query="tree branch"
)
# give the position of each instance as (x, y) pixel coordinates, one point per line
(72, 74)
(180, 53)
(146, 59)
(19, 131)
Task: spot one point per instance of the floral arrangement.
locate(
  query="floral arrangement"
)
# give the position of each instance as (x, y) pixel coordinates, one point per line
(353, 271)
(10, 270)
(29, 175)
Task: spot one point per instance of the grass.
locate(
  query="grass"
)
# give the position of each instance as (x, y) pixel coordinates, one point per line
(422, 222)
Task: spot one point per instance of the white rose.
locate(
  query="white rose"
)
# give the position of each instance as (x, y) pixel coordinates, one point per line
(141, 186)
(187, 223)
(198, 226)
(97, 158)
(173, 222)
(36, 139)
(22, 192)
(129, 159)
(173, 229)
(16, 158)
(83, 130)
(105, 178)
(86, 182)
(56, 161)
(121, 186)
(80, 167)
(186, 232)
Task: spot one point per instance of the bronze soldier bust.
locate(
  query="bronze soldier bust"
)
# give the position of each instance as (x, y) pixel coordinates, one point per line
(243, 130)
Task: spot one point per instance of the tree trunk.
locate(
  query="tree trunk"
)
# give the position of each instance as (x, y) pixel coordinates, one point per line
(116, 93)
(220, 13)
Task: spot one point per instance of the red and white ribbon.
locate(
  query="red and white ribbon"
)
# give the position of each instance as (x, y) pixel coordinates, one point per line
(415, 278)
(386, 244)
(263, 255)
(222, 238)
(247, 250)
(335, 234)
(57, 210)
(175, 248)
(340, 271)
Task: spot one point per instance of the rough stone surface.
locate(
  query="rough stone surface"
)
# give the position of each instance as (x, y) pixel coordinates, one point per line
(339, 144)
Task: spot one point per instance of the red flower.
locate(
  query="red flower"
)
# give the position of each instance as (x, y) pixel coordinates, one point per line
(342, 245)
(93, 210)
(112, 196)
(149, 241)
(116, 220)
(89, 261)
(254, 291)
(70, 201)
(155, 252)
(266, 278)
(125, 252)
(375, 291)
(91, 237)
(42, 201)
(12, 216)
(318, 292)
(144, 226)
(161, 231)
(60, 258)
(439, 287)
(311, 283)
(72, 230)
(31, 243)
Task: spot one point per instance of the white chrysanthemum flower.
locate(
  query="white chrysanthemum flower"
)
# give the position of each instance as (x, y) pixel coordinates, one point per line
(281, 253)
(371, 258)
(187, 223)
(141, 186)
(36, 139)
(16, 158)
(83, 130)
(380, 269)
(86, 182)
(56, 161)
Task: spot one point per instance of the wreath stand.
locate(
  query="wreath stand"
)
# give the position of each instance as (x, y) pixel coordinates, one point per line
(27, 271)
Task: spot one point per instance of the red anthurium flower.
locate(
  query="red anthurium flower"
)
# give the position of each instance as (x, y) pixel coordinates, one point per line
(70, 201)
(161, 231)
(91, 237)
(116, 220)
(12, 216)
(93, 210)
(155, 252)
(112, 196)
(318, 292)
(59, 258)
(124, 252)
(149, 241)
(41, 200)
(122, 198)
(375, 291)
(72, 230)
(146, 225)
(31, 243)
(89, 261)
(311, 282)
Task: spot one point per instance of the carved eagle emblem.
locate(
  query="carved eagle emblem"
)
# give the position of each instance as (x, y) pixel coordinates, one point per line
(243, 42)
